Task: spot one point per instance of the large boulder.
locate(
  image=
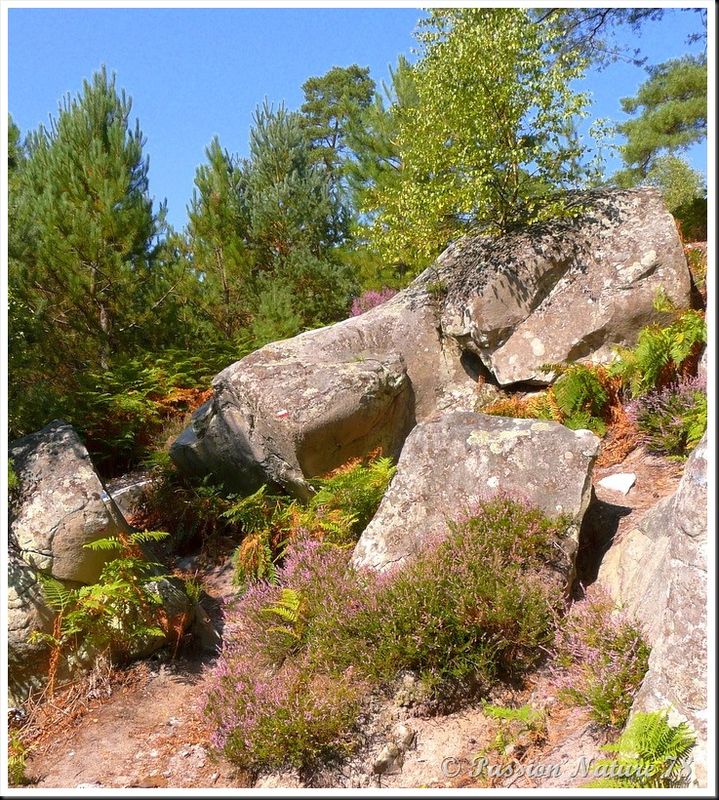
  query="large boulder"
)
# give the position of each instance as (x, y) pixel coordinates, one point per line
(27, 612)
(60, 505)
(457, 460)
(300, 407)
(565, 291)
(498, 308)
(658, 573)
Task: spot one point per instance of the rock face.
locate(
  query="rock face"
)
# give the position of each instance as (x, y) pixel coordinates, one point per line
(26, 612)
(60, 506)
(658, 572)
(567, 291)
(455, 461)
(564, 291)
(297, 408)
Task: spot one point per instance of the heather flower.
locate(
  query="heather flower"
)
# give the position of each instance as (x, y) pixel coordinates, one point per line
(601, 659)
(672, 420)
(370, 299)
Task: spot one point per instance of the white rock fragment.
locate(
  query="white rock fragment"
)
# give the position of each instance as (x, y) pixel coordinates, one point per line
(619, 482)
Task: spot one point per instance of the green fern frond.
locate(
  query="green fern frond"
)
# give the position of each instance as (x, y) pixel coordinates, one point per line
(143, 537)
(57, 596)
(287, 606)
(99, 545)
(650, 753)
(526, 714)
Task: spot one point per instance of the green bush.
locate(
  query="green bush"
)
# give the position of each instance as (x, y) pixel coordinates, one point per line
(661, 353)
(602, 658)
(672, 420)
(341, 508)
(650, 754)
(300, 657)
(115, 615)
(582, 397)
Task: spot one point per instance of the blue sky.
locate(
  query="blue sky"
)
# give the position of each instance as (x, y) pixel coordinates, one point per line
(194, 73)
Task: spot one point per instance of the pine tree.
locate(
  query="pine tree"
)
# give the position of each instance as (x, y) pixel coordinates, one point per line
(289, 198)
(88, 272)
(671, 109)
(333, 103)
(218, 231)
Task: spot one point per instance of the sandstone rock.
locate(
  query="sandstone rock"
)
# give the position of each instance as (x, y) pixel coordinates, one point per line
(26, 612)
(658, 573)
(389, 761)
(297, 408)
(620, 482)
(565, 291)
(60, 505)
(129, 491)
(456, 460)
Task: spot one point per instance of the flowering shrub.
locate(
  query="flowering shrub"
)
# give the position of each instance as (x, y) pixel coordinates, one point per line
(370, 299)
(474, 606)
(601, 659)
(672, 420)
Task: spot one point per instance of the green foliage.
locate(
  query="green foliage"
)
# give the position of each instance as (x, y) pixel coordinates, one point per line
(333, 104)
(525, 714)
(516, 726)
(467, 611)
(84, 217)
(341, 507)
(355, 491)
(660, 353)
(582, 397)
(604, 658)
(672, 420)
(680, 184)
(693, 220)
(673, 115)
(650, 754)
(218, 229)
(490, 142)
(306, 723)
(17, 761)
(290, 624)
(464, 613)
(117, 614)
(12, 480)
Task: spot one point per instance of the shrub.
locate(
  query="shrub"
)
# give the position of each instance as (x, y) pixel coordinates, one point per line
(662, 354)
(520, 727)
(343, 504)
(114, 616)
(580, 398)
(650, 754)
(582, 395)
(474, 607)
(370, 299)
(602, 659)
(672, 420)
(469, 610)
(270, 704)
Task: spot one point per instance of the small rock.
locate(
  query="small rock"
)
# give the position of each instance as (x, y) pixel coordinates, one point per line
(619, 482)
(403, 736)
(389, 761)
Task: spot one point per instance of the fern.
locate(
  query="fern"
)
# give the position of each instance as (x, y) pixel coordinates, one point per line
(525, 714)
(56, 595)
(661, 354)
(289, 613)
(650, 754)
